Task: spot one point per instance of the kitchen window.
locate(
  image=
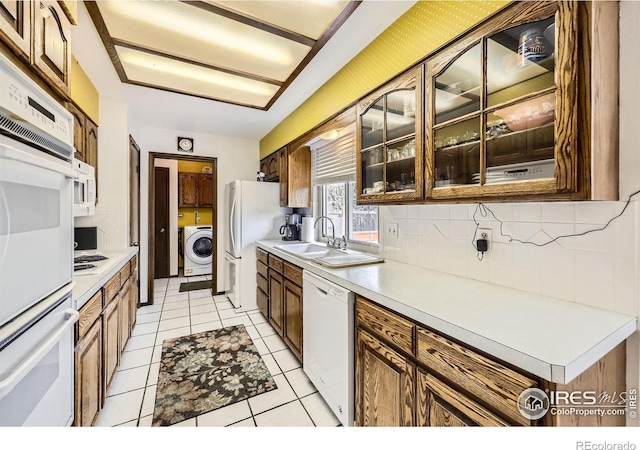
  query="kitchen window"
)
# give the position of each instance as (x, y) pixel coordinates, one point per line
(359, 223)
(334, 174)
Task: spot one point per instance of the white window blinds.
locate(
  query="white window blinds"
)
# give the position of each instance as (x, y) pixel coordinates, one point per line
(335, 161)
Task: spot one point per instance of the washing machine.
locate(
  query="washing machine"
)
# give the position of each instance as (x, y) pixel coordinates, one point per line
(198, 250)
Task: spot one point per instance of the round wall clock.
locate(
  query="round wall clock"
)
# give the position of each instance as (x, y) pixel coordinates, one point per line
(185, 144)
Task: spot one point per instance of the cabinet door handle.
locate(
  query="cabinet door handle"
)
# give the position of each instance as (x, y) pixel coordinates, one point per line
(161, 230)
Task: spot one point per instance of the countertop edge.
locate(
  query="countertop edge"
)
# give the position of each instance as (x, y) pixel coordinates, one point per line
(552, 371)
(81, 297)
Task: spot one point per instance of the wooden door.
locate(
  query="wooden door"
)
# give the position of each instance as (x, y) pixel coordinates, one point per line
(161, 232)
(15, 27)
(283, 176)
(110, 347)
(52, 45)
(439, 405)
(88, 377)
(79, 132)
(276, 304)
(187, 190)
(384, 384)
(205, 190)
(293, 317)
(134, 194)
(124, 315)
(91, 148)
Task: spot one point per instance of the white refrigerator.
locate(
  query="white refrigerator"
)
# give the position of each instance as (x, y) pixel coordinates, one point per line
(252, 213)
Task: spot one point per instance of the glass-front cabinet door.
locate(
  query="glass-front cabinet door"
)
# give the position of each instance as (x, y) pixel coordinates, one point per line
(389, 141)
(501, 108)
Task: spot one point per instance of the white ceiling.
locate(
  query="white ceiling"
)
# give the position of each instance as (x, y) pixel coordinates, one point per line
(155, 108)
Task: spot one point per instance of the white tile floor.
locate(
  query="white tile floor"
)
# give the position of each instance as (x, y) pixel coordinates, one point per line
(295, 403)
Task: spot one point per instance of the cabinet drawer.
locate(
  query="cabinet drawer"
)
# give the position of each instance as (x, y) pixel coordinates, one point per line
(263, 283)
(124, 273)
(293, 273)
(88, 314)
(438, 400)
(262, 255)
(111, 288)
(134, 263)
(275, 263)
(263, 269)
(495, 385)
(386, 324)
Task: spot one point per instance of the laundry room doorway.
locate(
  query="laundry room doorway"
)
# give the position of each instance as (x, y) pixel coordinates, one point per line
(190, 222)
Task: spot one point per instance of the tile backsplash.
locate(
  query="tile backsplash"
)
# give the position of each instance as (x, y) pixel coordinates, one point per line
(597, 268)
(111, 211)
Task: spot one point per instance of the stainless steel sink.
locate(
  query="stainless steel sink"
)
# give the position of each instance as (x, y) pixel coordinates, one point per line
(331, 258)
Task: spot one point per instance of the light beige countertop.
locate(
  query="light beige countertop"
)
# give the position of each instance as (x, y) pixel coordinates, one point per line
(554, 339)
(85, 286)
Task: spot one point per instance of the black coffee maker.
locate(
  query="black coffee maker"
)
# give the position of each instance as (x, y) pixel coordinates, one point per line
(290, 231)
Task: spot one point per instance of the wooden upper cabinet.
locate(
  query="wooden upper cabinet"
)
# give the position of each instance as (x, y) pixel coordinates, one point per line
(15, 27)
(195, 190)
(502, 115)
(79, 132)
(295, 181)
(187, 190)
(52, 45)
(205, 190)
(283, 175)
(389, 141)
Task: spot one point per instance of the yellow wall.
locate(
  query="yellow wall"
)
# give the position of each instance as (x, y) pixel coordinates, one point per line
(420, 31)
(84, 93)
(189, 218)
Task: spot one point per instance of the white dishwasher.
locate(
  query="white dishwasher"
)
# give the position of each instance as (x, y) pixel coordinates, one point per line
(327, 343)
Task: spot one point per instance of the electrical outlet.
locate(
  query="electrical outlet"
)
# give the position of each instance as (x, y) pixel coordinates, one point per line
(392, 230)
(485, 233)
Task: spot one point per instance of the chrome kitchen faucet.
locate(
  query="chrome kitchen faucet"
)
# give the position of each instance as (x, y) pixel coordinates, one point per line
(331, 242)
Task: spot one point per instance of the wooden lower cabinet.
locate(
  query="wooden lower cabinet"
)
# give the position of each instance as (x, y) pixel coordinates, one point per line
(439, 405)
(384, 384)
(279, 297)
(102, 332)
(123, 320)
(406, 372)
(293, 318)
(407, 375)
(262, 299)
(276, 303)
(88, 376)
(111, 347)
(133, 301)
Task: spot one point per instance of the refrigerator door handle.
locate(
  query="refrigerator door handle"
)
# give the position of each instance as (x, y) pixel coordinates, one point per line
(232, 222)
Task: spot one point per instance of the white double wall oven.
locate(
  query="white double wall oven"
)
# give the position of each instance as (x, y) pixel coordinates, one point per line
(36, 254)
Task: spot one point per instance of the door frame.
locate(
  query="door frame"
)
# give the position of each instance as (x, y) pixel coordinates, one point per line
(152, 209)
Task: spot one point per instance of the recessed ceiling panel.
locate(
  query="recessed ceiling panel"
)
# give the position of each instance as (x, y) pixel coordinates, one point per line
(180, 29)
(310, 18)
(245, 53)
(156, 71)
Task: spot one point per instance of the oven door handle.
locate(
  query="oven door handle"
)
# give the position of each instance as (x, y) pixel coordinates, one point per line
(12, 378)
(24, 157)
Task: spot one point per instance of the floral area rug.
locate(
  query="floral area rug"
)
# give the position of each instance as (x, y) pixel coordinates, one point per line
(206, 371)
